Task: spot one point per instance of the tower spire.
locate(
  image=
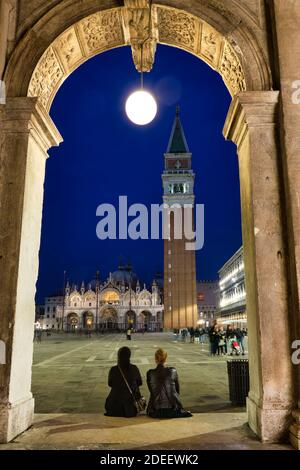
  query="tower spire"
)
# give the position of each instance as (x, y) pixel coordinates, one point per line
(177, 142)
(180, 264)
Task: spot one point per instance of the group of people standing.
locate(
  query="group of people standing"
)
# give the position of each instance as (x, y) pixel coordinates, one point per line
(196, 335)
(229, 341)
(125, 381)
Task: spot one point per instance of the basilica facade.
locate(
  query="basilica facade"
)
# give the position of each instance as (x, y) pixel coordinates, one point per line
(116, 304)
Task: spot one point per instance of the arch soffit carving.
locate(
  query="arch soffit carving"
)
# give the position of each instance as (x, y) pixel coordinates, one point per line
(72, 314)
(103, 30)
(105, 309)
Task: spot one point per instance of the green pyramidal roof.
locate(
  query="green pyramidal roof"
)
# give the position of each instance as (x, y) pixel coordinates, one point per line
(177, 142)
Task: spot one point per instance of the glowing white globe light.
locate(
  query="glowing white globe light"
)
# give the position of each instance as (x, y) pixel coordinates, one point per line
(141, 107)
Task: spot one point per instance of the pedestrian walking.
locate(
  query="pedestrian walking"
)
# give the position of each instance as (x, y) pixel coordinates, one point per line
(240, 339)
(39, 335)
(192, 335)
(128, 334)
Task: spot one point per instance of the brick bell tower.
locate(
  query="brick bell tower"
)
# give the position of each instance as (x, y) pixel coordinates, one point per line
(180, 296)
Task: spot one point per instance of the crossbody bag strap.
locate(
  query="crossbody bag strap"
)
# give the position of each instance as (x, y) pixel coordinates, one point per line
(125, 380)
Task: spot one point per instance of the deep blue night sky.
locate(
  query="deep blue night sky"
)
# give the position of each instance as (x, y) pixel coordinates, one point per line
(104, 155)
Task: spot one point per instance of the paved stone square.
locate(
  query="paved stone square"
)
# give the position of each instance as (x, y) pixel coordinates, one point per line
(70, 386)
(70, 372)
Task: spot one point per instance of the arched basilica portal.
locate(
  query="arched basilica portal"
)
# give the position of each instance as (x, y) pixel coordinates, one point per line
(255, 46)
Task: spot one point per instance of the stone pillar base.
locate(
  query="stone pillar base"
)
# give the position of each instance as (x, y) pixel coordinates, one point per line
(270, 423)
(15, 419)
(295, 430)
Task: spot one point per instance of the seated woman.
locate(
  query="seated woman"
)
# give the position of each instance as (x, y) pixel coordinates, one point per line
(164, 390)
(120, 401)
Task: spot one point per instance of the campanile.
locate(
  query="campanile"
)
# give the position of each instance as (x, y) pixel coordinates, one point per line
(180, 297)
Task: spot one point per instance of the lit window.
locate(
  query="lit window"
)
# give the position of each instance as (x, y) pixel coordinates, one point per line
(170, 280)
(169, 252)
(170, 266)
(170, 308)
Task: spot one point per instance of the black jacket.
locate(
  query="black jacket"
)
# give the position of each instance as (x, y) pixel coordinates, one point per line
(163, 385)
(120, 401)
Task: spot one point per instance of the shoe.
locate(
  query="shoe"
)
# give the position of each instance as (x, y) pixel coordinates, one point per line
(185, 414)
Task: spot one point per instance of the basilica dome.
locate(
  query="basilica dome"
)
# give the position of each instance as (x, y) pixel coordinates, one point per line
(124, 274)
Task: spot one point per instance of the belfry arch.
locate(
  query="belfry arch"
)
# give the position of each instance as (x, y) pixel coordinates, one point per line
(54, 45)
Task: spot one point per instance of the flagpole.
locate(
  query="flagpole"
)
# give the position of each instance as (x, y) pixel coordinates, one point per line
(64, 298)
(97, 301)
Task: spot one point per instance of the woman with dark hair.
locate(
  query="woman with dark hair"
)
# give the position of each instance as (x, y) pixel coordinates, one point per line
(163, 385)
(120, 401)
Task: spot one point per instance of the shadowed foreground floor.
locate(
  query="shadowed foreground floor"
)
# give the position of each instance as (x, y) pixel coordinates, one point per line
(211, 431)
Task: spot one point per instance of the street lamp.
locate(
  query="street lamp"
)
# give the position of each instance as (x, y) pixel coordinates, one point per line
(141, 107)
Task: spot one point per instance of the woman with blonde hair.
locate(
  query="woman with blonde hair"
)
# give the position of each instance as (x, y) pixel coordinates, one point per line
(163, 385)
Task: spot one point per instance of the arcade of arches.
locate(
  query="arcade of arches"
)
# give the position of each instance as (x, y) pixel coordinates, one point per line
(255, 46)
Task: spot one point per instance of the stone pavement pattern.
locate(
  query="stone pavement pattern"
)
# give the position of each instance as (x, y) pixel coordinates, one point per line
(70, 386)
(70, 375)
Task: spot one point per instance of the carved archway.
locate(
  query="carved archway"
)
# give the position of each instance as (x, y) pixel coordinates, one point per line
(62, 39)
(88, 320)
(72, 321)
(108, 318)
(103, 30)
(237, 57)
(145, 320)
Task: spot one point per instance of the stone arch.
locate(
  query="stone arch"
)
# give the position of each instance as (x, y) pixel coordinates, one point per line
(144, 298)
(129, 297)
(251, 124)
(72, 321)
(145, 320)
(44, 64)
(130, 319)
(108, 318)
(75, 300)
(88, 320)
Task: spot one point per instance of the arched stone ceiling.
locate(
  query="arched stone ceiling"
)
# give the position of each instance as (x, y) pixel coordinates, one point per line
(106, 30)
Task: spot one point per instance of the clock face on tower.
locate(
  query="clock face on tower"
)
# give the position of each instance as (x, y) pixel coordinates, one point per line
(178, 164)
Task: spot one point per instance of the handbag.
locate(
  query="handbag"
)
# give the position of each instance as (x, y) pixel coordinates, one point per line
(139, 403)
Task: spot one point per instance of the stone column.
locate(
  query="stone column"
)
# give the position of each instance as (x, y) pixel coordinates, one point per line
(252, 125)
(286, 14)
(26, 133)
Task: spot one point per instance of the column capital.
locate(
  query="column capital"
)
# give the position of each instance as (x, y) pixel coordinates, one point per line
(250, 109)
(27, 115)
